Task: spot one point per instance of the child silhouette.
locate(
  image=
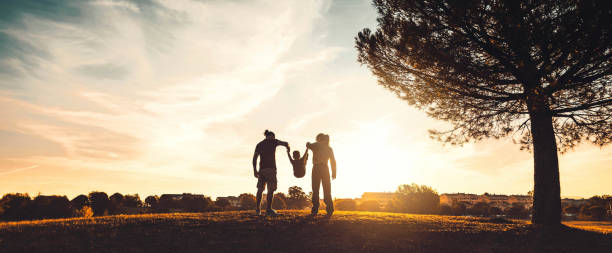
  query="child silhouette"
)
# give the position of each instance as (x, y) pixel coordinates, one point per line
(299, 164)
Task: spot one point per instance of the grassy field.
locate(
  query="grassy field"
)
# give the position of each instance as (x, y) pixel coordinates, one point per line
(293, 231)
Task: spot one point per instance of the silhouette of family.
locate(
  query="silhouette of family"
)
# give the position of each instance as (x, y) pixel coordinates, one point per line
(322, 154)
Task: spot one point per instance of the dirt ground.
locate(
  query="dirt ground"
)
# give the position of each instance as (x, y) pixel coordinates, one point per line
(294, 231)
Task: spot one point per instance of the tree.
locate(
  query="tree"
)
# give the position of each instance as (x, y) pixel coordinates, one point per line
(152, 201)
(495, 211)
(480, 209)
(597, 212)
(132, 201)
(116, 203)
(99, 203)
(247, 201)
(279, 203)
(459, 208)
(297, 198)
(517, 211)
(44, 207)
(80, 201)
(16, 206)
(346, 205)
(196, 203)
(541, 69)
(415, 198)
(222, 203)
(571, 210)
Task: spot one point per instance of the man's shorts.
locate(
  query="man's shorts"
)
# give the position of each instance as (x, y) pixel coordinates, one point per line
(267, 176)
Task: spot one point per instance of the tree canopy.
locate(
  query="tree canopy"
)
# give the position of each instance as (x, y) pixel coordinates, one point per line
(539, 70)
(478, 64)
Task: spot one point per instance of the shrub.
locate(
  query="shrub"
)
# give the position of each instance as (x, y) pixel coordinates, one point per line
(152, 201)
(369, 205)
(116, 203)
(279, 203)
(16, 206)
(79, 202)
(45, 207)
(84, 212)
(99, 203)
(296, 198)
(346, 205)
(446, 209)
(247, 201)
(415, 198)
(224, 204)
(132, 201)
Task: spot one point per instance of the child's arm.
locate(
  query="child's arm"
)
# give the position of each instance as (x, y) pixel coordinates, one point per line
(305, 157)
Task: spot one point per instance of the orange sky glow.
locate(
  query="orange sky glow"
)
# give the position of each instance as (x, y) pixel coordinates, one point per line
(172, 97)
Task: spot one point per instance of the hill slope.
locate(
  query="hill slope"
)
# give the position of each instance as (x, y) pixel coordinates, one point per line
(293, 231)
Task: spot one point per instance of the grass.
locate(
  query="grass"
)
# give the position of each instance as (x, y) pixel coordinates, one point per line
(293, 231)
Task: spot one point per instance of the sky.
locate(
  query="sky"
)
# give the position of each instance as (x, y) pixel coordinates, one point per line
(154, 97)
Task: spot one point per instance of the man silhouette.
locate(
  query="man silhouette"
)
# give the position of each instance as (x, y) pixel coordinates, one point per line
(321, 154)
(267, 169)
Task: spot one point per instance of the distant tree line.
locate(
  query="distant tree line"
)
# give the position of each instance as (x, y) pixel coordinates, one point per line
(409, 198)
(595, 208)
(20, 206)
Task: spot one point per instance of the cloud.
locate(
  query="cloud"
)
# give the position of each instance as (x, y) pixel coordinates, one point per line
(141, 83)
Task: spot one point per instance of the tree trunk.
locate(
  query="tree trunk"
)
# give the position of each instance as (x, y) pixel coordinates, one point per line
(547, 192)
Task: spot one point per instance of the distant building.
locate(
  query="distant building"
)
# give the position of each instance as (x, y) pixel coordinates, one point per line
(381, 197)
(573, 202)
(179, 196)
(500, 201)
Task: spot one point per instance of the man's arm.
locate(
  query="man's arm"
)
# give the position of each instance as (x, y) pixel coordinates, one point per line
(255, 155)
(283, 143)
(289, 155)
(332, 160)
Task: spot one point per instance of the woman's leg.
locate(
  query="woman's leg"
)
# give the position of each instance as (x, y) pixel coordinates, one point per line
(316, 182)
(329, 202)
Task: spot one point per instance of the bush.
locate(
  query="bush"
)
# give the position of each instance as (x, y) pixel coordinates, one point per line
(415, 198)
(152, 201)
(223, 204)
(195, 203)
(479, 209)
(597, 212)
(16, 206)
(84, 212)
(517, 211)
(369, 205)
(79, 202)
(297, 198)
(446, 209)
(459, 208)
(346, 205)
(279, 203)
(116, 203)
(45, 207)
(247, 201)
(495, 211)
(132, 201)
(99, 203)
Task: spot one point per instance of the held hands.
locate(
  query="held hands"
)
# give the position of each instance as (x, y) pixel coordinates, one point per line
(255, 173)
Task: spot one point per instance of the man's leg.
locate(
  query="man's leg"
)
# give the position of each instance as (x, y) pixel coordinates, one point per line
(258, 204)
(261, 185)
(270, 198)
(272, 182)
(329, 202)
(316, 182)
